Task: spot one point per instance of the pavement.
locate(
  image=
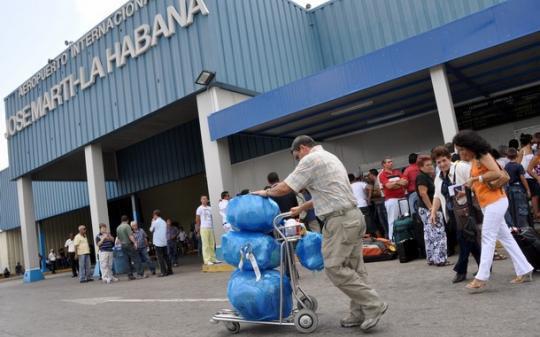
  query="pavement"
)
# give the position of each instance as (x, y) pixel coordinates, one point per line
(422, 299)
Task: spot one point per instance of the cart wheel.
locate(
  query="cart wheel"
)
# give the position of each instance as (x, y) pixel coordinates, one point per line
(306, 321)
(310, 303)
(233, 327)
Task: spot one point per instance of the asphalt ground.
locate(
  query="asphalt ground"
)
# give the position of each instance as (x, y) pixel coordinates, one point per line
(422, 299)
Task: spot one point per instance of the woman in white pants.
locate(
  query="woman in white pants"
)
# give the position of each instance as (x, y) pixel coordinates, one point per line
(494, 203)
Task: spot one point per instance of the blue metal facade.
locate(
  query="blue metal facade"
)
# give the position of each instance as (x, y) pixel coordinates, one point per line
(230, 41)
(350, 28)
(258, 45)
(499, 24)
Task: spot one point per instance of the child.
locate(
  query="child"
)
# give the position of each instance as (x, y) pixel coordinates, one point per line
(518, 191)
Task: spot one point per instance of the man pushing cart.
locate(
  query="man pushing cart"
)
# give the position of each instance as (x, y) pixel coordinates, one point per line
(325, 177)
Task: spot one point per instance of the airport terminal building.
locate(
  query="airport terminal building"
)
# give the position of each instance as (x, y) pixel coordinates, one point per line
(166, 100)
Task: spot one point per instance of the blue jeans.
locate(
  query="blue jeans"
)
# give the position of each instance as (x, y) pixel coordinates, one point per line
(172, 251)
(84, 267)
(518, 211)
(144, 258)
(133, 259)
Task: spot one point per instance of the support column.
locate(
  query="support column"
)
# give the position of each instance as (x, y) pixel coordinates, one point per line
(135, 209)
(445, 104)
(42, 246)
(217, 160)
(95, 175)
(27, 217)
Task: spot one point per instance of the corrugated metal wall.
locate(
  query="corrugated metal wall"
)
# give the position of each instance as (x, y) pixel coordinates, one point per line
(230, 41)
(351, 28)
(263, 44)
(57, 229)
(170, 156)
(244, 147)
(10, 249)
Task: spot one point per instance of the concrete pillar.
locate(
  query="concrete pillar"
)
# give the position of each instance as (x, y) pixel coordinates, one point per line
(445, 104)
(95, 175)
(42, 246)
(28, 230)
(135, 209)
(217, 160)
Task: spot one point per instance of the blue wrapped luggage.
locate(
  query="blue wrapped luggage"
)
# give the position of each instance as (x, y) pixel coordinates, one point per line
(264, 248)
(259, 300)
(252, 213)
(309, 251)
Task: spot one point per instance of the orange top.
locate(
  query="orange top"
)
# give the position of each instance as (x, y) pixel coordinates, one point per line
(482, 191)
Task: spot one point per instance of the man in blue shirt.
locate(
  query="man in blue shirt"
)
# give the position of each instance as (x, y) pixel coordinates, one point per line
(159, 239)
(142, 247)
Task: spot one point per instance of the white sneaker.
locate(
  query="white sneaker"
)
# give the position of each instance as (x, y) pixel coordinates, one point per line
(210, 263)
(114, 279)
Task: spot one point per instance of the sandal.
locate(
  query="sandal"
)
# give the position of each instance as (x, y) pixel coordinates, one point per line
(476, 286)
(522, 278)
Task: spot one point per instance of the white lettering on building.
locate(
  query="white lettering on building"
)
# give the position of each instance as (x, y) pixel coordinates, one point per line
(144, 37)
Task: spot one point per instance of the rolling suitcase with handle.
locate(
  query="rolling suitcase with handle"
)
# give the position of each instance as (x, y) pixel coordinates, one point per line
(404, 225)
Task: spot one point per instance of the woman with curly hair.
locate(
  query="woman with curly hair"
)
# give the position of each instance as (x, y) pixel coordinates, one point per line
(494, 203)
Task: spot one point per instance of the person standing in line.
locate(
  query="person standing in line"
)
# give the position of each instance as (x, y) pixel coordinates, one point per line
(452, 173)
(129, 247)
(533, 174)
(71, 255)
(172, 242)
(393, 183)
(376, 204)
(182, 240)
(82, 250)
(223, 204)
(105, 243)
(434, 233)
(159, 239)
(52, 261)
(203, 222)
(142, 248)
(410, 173)
(285, 202)
(324, 175)
(361, 193)
(518, 191)
(494, 203)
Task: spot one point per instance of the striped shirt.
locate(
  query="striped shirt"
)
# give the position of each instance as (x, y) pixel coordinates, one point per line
(325, 177)
(107, 245)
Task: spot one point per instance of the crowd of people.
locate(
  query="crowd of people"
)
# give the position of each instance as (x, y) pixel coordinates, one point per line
(169, 241)
(432, 188)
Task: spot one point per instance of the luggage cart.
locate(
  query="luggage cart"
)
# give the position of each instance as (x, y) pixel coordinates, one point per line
(303, 316)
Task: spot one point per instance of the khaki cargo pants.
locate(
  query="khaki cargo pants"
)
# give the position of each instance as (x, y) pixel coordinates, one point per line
(344, 264)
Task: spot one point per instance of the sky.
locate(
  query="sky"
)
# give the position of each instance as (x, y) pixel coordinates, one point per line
(35, 30)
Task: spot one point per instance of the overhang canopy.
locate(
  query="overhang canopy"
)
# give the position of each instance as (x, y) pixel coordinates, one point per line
(485, 53)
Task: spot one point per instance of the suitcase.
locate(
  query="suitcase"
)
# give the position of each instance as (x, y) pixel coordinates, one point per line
(529, 242)
(407, 250)
(404, 225)
(377, 249)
